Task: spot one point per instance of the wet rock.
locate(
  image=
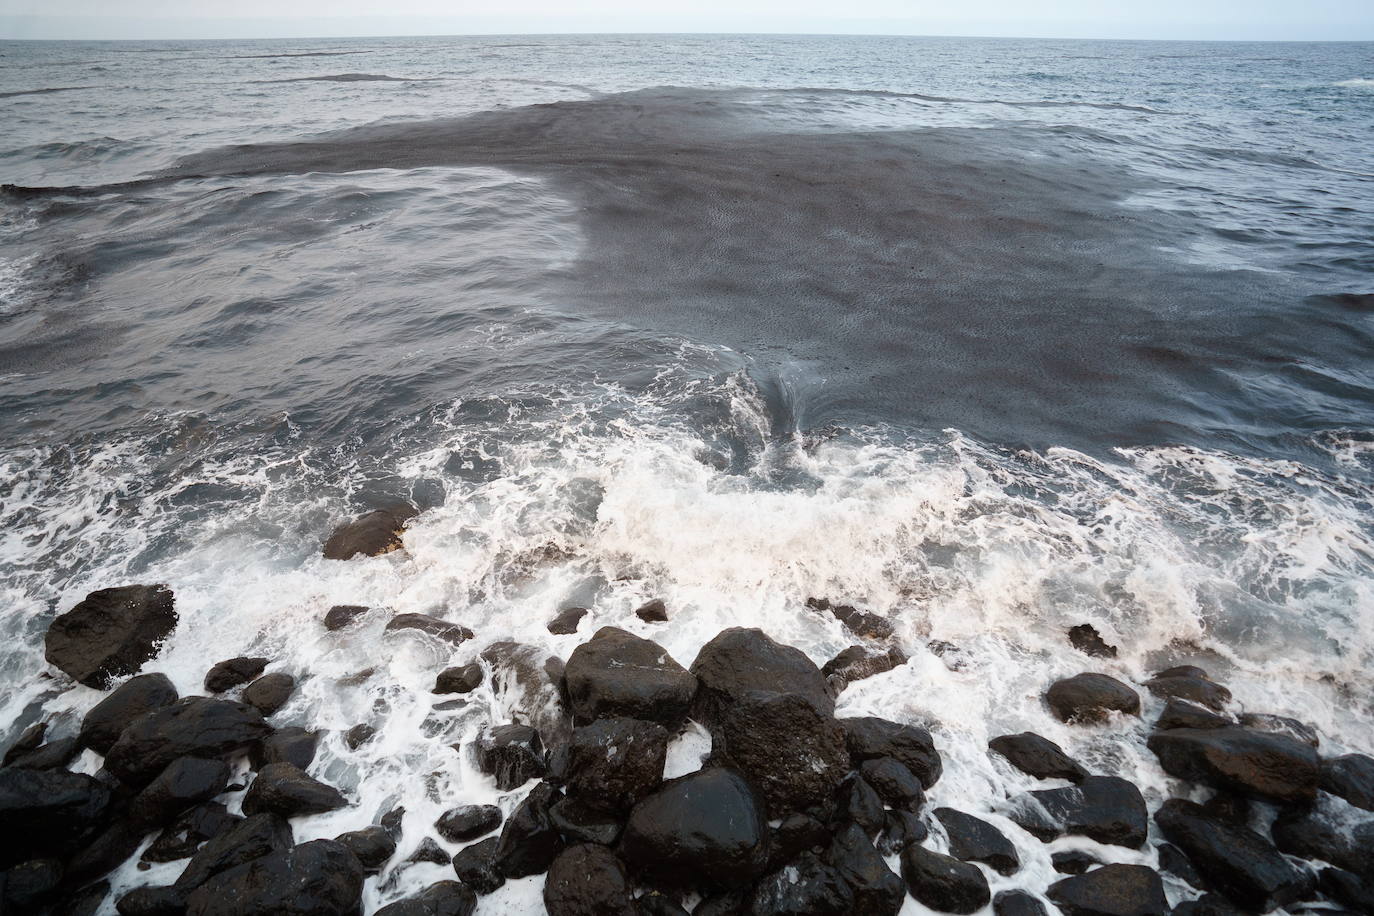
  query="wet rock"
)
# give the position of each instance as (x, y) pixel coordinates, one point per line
(475, 866)
(653, 612)
(616, 673)
(705, 825)
(1229, 807)
(860, 623)
(795, 834)
(193, 727)
(55, 755)
(655, 903)
(459, 679)
(182, 785)
(741, 661)
(1175, 862)
(944, 883)
(529, 841)
(1087, 640)
(869, 738)
(900, 830)
(1112, 890)
(512, 754)
(858, 803)
(152, 901)
(127, 702)
(577, 822)
(975, 840)
(587, 880)
(373, 846)
(805, 885)
(1207, 905)
(227, 675)
(877, 890)
(442, 630)
(894, 783)
(1091, 698)
(529, 679)
(566, 621)
(1350, 777)
(1281, 725)
(1072, 861)
(1017, 903)
(1107, 809)
(106, 852)
(468, 822)
(1235, 861)
(111, 633)
(343, 615)
(48, 813)
(270, 692)
(614, 762)
(1243, 760)
(27, 885)
(319, 878)
(183, 836)
(359, 735)
(369, 535)
(1179, 713)
(285, 790)
(793, 753)
(1038, 756)
(31, 739)
(1325, 832)
(1347, 889)
(726, 903)
(85, 902)
(292, 744)
(859, 662)
(249, 839)
(443, 898)
(1189, 683)
(429, 851)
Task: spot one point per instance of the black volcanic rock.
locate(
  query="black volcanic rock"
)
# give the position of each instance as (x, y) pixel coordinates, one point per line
(55, 755)
(1107, 809)
(1017, 903)
(468, 822)
(1347, 889)
(30, 739)
(864, 624)
(805, 885)
(29, 884)
(429, 851)
(1112, 890)
(106, 851)
(944, 883)
(1179, 713)
(1350, 777)
(1281, 725)
(111, 633)
(292, 744)
(459, 679)
(653, 612)
(741, 661)
(1038, 756)
(512, 754)
(565, 622)
(270, 692)
(369, 535)
(580, 823)
(616, 673)
(184, 783)
(283, 789)
(1091, 698)
(1327, 833)
(152, 901)
(373, 846)
(249, 839)
(869, 738)
(615, 762)
(587, 880)
(794, 835)
(1189, 683)
(793, 753)
(858, 803)
(1085, 638)
(1174, 861)
(1275, 767)
(48, 813)
(233, 672)
(319, 878)
(184, 835)
(1236, 861)
(192, 727)
(706, 825)
(894, 783)
(443, 898)
(475, 866)
(130, 700)
(900, 830)
(973, 839)
(1072, 861)
(878, 891)
(529, 841)
(343, 615)
(859, 662)
(442, 630)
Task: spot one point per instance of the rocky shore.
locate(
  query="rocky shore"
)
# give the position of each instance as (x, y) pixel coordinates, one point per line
(795, 810)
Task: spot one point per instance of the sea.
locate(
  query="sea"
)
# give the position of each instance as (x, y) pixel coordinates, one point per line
(993, 337)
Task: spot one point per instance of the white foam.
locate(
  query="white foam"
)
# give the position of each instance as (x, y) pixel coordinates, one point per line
(1356, 83)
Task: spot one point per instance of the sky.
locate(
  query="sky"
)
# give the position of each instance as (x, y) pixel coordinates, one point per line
(1314, 20)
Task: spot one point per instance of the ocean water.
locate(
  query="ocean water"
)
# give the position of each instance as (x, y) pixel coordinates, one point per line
(994, 337)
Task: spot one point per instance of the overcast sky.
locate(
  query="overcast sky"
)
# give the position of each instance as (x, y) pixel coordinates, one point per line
(1200, 19)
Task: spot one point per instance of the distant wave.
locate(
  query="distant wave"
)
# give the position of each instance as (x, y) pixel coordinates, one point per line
(292, 54)
(10, 95)
(349, 78)
(1043, 103)
(1357, 84)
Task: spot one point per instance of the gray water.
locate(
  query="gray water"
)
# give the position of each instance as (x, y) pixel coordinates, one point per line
(992, 336)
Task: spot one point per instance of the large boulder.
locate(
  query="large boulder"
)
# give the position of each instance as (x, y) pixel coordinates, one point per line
(616, 673)
(1038, 756)
(369, 535)
(877, 890)
(805, 885)
(794, 753)
(183, 784)
(942, 882)
(708, 825)
(468, 822)
(529, 840)
(588, 880)
(319, 878)
(1235, 759)
(1107, 809)
(511, 754)
(270, 692)
(1091, 698)
(443, 898)
(55, 755)
(192, 727)
(895, 784)
(458, 679)
(615, 762)
(1328, 831)
(1112, 890)
(1236, 861)
(248, 839)
(1281, 725)
(131, 699)
(1017, 903)
(476, 866)
(565, 621)
(869, 738)
(1179, 713)
(48, 812)
(739, 661)
(1350, 777)
(374, 846)
(973, 839)
(529, 680)
(233, 672)
(292, 744)
(105, 852)
(111, 633)
(282, 788)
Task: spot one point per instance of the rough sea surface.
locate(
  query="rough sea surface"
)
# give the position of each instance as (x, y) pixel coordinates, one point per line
(994, 337)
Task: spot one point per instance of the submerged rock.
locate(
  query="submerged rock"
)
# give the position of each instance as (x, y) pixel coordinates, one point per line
(192, 727)
(861, 623)
(859, 662)
(975, 840)
(1243, 760)
(459, 679)
(111, 633)
(468, 822)
(442, 630)
(1091, 698)
(944, 883)
(319, 878)
(615, 762)
(1112, 890)
(234, 672)
(805, 885)
(1107, 809)
(741, 661)
(869, 738)
(616, 673)
(793, 753)
(48, 813)
(283, 789)
(443, 898)
(1038, 756)
(369, 535)
(1085, 638)
(511, 754)
(708, 825)
(587, 880)
(343, 615)
(566, 621)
